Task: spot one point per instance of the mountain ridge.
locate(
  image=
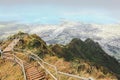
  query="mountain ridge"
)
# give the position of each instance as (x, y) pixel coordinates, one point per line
(90, 51)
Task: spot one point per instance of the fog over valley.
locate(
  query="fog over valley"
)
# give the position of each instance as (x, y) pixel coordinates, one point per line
(107, 35)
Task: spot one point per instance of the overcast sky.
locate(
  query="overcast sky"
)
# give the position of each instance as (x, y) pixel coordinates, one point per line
(53, 11)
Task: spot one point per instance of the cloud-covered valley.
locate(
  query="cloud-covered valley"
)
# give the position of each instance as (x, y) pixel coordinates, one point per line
(107, 35)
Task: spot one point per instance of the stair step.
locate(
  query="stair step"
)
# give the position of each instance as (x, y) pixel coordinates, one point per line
(31, 69)
(28, 66)
(43, 77)
(32, 73)
(35, 77)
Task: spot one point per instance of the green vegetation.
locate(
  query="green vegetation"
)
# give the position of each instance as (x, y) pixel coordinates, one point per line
(89, 51)
(32, 42)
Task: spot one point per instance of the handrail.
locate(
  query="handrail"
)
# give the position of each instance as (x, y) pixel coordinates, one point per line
(48, 71)
(22, 65)
(38, 58)
(75, 76)
(42, 65)
(15, 58)
(20, 62)
(44, 68)
(57, 72)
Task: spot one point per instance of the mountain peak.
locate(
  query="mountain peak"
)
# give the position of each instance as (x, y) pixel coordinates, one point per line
(89, 40)
(76, 41)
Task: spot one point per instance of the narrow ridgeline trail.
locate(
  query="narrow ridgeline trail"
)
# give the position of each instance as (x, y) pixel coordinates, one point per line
(30, 70)
(8, 50)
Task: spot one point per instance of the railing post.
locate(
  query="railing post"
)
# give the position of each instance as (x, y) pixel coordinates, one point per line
(13, 56)
(25, 78)
(56, 73)
(17, 60)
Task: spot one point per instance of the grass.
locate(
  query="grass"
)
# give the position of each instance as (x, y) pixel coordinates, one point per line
(10, 71)
(72, 68)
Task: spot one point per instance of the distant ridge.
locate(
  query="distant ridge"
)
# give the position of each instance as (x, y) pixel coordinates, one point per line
(87, 50)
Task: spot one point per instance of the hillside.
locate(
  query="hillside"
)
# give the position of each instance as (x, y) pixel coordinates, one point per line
(85, 59)
(31, 42)
(88, 51)
(10, 71)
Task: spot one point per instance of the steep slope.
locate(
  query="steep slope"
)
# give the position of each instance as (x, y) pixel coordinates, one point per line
(90, 51)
